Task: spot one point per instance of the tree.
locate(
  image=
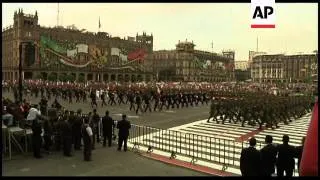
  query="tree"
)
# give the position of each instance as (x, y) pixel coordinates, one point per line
(81, 78)
(52, 77)
(70, 78)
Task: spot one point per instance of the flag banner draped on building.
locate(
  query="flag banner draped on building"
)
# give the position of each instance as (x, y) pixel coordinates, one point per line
(66, 55)
(202, 63)
(115, 51)
(229, 66)
(82, 48)
(138, 54)
(72, 53)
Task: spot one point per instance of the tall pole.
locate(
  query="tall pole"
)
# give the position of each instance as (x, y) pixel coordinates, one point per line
(20, 72)
(58, 16)
(212, 57)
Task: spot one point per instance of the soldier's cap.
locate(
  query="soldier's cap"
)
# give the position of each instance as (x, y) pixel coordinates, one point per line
(124, 116)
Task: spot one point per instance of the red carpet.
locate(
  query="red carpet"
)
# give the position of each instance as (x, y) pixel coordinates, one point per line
(249, 135)
(188, 165)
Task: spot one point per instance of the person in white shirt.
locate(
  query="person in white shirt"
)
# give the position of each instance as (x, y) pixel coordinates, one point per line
(34, 113)
(87, 139)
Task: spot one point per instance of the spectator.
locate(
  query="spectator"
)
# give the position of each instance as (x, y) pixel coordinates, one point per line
(34, 113)
(6, 117)
(268, 157)
(107, 127)
(250, 160)
(123, 126)
(285, 161)
(95, 127)
(87, 139)
(36, 138)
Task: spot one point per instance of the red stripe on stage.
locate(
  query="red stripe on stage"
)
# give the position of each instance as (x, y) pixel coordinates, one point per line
(250, 134)
(188, 165)
(263, 25)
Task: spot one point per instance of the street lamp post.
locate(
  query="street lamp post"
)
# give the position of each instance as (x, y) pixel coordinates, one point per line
(20, 73)
(20, 66)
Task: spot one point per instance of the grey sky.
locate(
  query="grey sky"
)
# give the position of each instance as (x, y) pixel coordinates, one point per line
(227, 25)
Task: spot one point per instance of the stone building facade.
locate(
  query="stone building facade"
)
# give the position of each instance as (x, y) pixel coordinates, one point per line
(284, 68)
(26, 29)
(187, 64)
(68, 51)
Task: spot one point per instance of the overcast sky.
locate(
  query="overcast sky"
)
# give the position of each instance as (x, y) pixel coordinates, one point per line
(226, 25)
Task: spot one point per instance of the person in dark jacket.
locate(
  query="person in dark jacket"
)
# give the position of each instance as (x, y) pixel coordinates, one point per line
(285, 161)
(124, 125)
(36, 138)
(48, 134)
(66, 133)
(299, 151)
(107, 128)
(76, 130)
(250, 160)
(86, 132)
(268, 157)
(95, 127)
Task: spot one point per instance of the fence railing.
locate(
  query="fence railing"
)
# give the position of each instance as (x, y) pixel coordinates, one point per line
(197, 147)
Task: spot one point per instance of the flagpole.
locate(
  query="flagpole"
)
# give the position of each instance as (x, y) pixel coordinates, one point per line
(99, 24)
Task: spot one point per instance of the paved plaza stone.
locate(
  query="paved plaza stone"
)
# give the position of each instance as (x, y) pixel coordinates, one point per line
(165, 119)
(106, 162)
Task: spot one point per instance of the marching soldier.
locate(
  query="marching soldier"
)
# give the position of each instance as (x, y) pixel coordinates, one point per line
(138, 102)
(146, 99)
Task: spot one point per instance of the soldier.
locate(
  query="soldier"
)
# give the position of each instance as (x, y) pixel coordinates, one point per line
(156, 98)
(86, 132)
(163, 100)
(93, 99)
(184, 100)
(103, 96)
(131, 100)
(146, 99)
(111, 96)
(120, 97)
(213, 111)
(124, 125)
(138, 102)
(43, 106)
(107, 128)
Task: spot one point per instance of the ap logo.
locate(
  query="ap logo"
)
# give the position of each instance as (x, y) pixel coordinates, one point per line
(263, 14)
